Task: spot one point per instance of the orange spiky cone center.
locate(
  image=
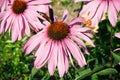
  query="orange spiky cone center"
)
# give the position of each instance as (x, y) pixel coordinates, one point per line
(19, 6)
(58, 31)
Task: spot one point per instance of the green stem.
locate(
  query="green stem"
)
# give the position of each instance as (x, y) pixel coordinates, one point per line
(111, 45)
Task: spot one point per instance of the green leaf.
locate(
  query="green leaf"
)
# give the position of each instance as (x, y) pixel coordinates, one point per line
(25, 68)
(90, 60)
(10, 46)
(116, 58)
(9, 41)
(24, 39)
(107, 71)
(46, 77)
(33, 72)
(83, 74)
(98, 68)
(94, 77)
(64, 3)
(70, 76)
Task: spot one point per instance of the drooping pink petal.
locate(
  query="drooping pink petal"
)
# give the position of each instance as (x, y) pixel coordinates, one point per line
(68, 52)
(117, 49)
(90, 8)
(65, 60)
(82, 36)
(78, 28)
(61, 64)
(27, 29)
(99, 13)
(112, 14)
(52, 62)
(21, 27)
(33, 20)
(75, 51)
(43, 55)
(15, 30)
(3, 23)
(117, 35)
(2, 27)
(80, 43)
(10, 21)
(65, 55)
(32, 43)
(31, 39)
(40, 48)
(116, 4)
(88, 35)
(76, 20)
(93, 8)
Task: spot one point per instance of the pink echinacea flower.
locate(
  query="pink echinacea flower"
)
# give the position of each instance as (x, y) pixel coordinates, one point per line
(21, 15)
(58, 42)
(96, 9)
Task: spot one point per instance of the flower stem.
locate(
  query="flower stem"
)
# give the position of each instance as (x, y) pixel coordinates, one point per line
(111, 45)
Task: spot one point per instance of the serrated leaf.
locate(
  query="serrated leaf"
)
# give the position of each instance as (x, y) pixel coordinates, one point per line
(107, 71)
(84, 74)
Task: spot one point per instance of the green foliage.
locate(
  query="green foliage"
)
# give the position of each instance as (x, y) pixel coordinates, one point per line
(65, 3)
(33, 72)
(107, 72)
(13, 63)
(116, 58)
(83, 74)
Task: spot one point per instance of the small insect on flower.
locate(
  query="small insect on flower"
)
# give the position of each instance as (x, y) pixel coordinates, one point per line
(58, 42)
(21, 15)
(96, 10)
